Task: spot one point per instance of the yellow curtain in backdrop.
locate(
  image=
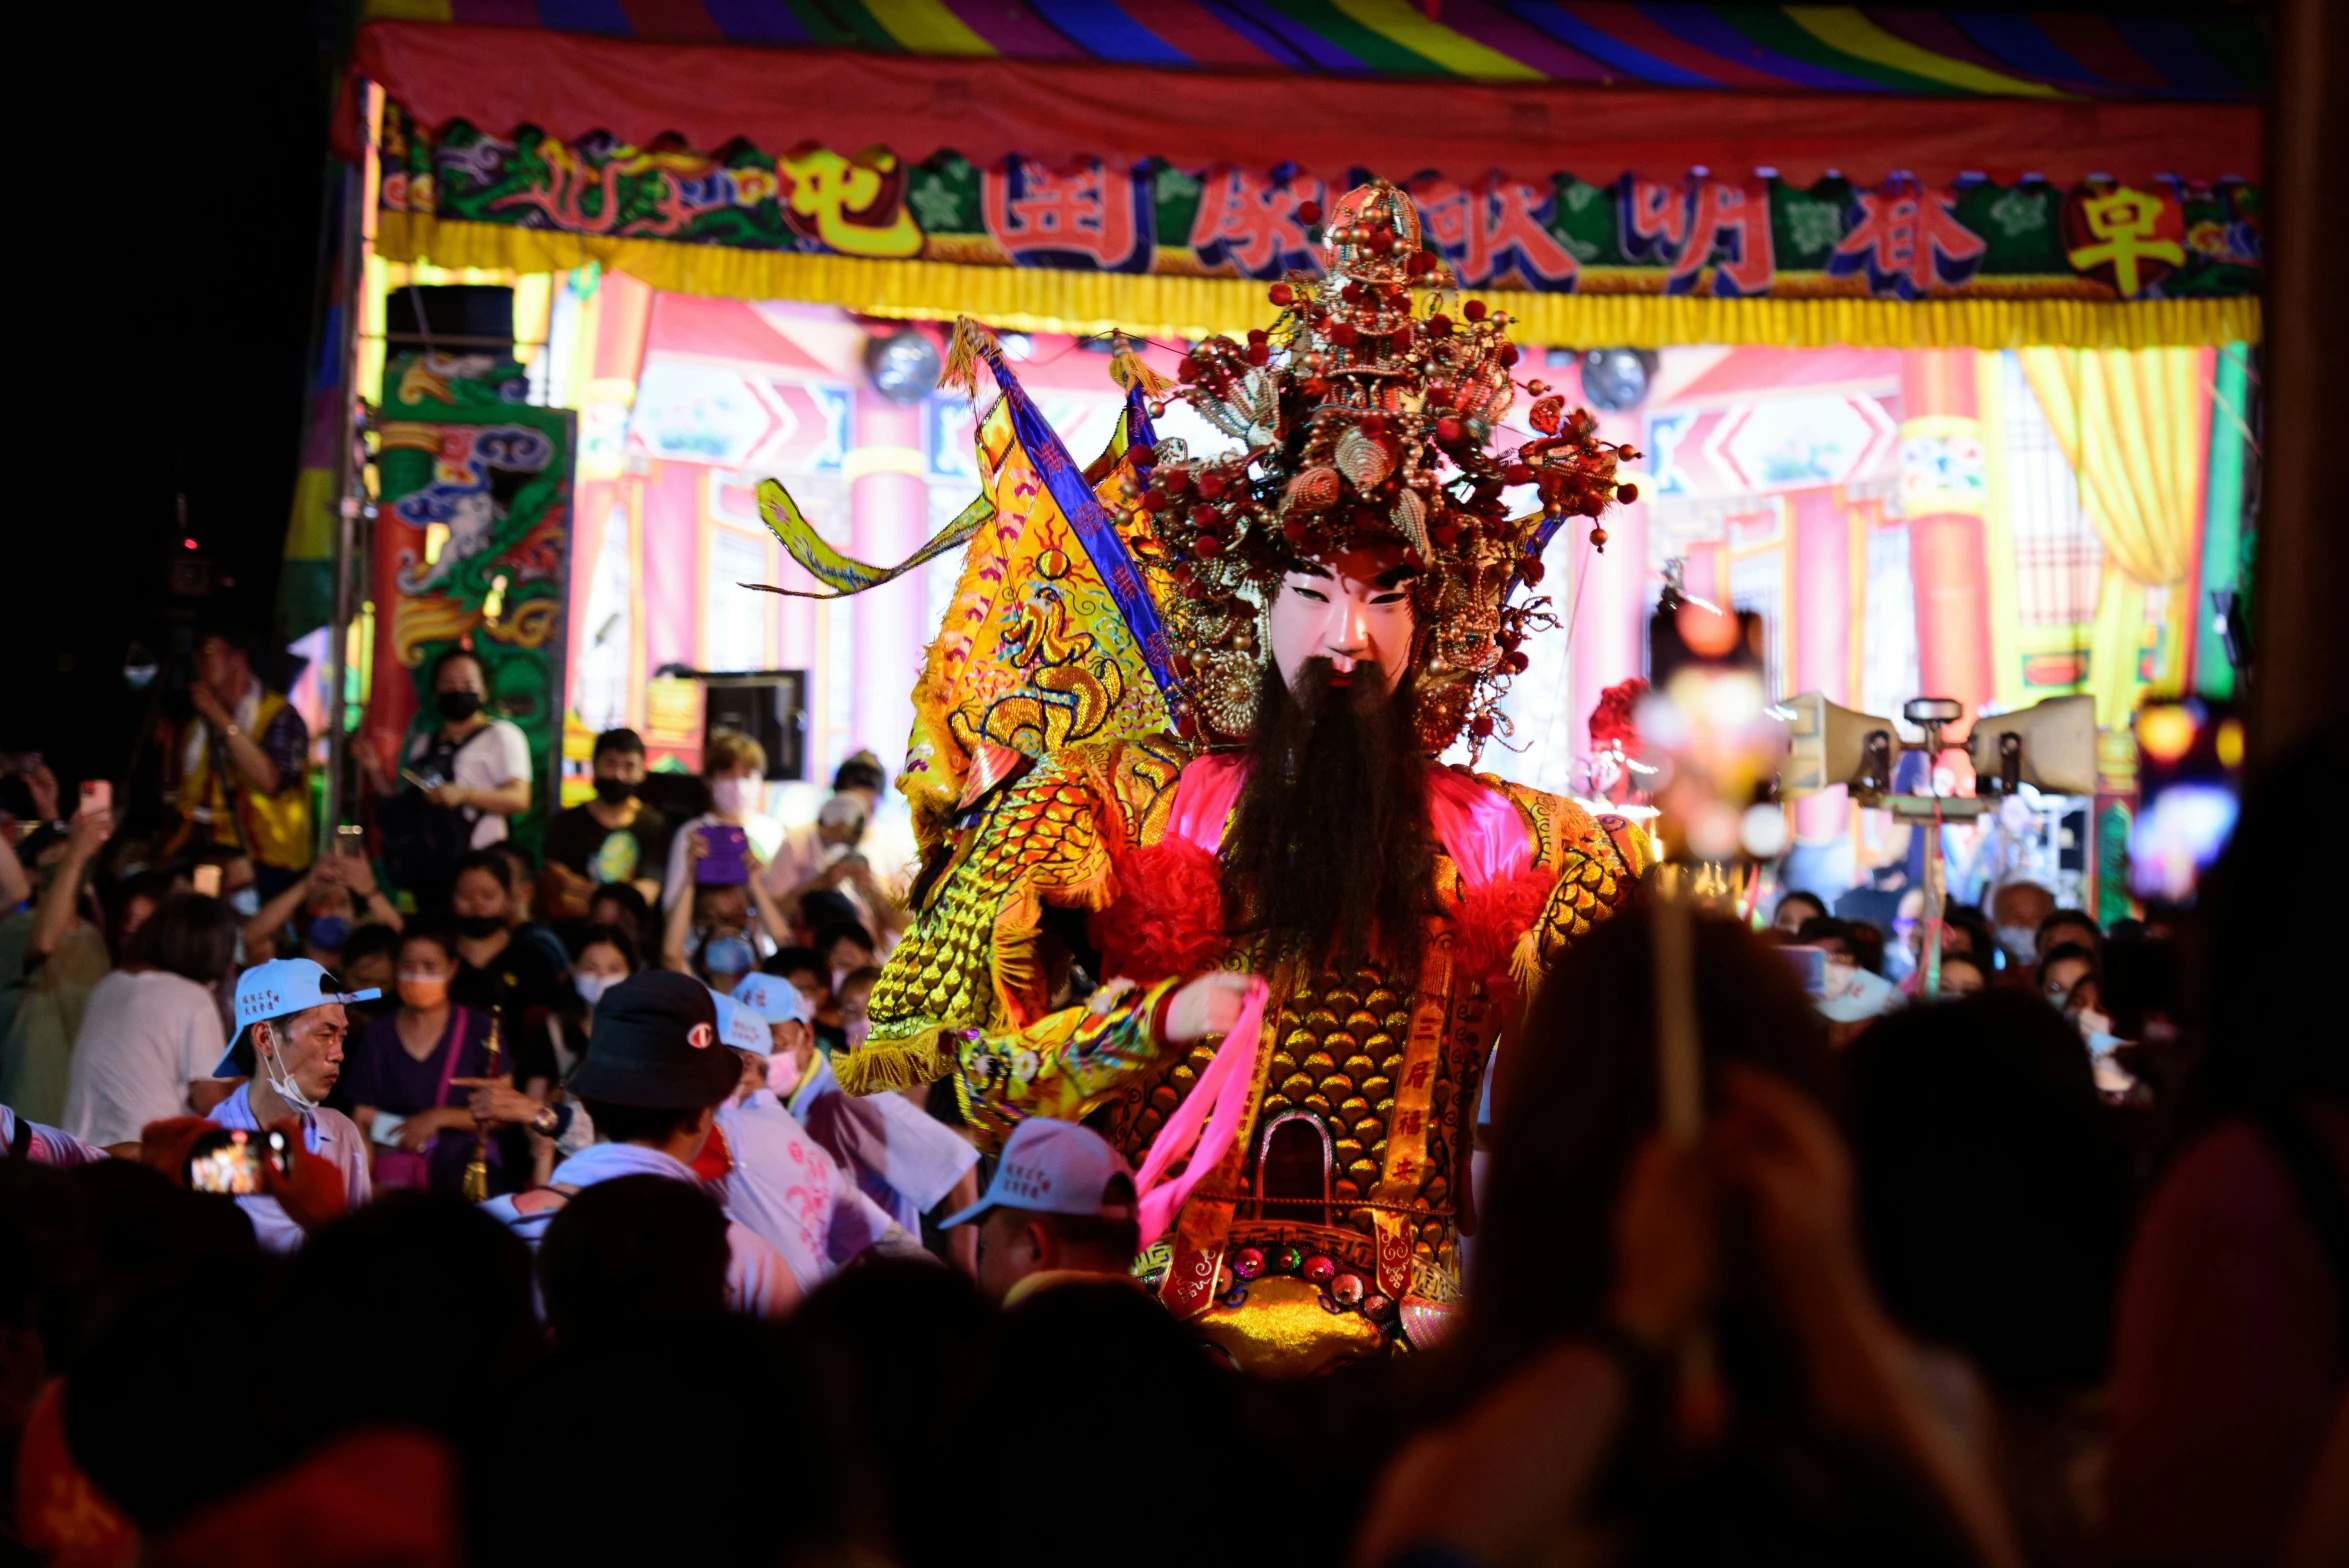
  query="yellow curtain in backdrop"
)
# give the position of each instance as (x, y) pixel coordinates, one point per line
(2135, 426)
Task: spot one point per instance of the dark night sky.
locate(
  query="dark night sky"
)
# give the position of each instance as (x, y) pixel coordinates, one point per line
(173, 220)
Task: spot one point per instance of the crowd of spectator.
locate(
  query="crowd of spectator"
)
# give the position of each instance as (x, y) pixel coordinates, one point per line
(2048, 1264)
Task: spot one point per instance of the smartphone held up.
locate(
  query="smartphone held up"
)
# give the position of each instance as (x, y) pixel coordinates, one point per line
(230, 1159)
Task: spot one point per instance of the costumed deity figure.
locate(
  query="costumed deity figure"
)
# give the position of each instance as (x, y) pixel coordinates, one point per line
(1222, 800)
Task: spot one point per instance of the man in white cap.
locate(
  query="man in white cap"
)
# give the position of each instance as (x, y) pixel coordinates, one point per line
(1061, 1208)
(790, 1025)
(289, 1047)
(776, 1179)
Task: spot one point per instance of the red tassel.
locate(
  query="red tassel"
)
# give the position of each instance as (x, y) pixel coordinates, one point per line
(1168, 916)
(1491, 920)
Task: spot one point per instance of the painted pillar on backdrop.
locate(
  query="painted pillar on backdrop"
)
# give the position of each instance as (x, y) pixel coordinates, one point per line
(1823, 622)
(1945, 491)
(888, 502)
(610, 354)
(1606, 599)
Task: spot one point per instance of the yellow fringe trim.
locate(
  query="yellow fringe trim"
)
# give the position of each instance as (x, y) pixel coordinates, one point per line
(899, 1064)
(1165, 306)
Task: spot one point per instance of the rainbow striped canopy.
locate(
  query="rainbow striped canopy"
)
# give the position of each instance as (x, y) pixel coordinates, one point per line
(1895, 50)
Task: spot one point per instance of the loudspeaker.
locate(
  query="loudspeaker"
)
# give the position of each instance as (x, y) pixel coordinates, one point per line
(769, 706)
(2054, 747)
(1832, 745)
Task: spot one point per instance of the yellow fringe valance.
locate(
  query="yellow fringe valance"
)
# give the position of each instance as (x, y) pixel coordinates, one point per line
(1164, 306)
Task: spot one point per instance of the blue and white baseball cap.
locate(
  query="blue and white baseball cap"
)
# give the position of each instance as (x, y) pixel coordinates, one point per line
(773, 998)
(1051, 1167)
(741, 1028)
(279, 989)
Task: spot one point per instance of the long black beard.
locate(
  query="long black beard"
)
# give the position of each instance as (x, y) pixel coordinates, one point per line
(1330, 846)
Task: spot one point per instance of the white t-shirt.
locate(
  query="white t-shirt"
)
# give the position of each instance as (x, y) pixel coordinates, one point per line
(326, 1132)
(144, 1038)
(498, 754)
(897, 1153)
(787, 1189)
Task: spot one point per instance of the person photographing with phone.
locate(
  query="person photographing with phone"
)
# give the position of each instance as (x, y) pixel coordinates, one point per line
(242, 779)
(710, 931)
(734, 765)
(458, 782)
(289, 1044)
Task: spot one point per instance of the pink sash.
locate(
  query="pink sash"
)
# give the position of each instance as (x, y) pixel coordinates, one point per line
(1481, 830)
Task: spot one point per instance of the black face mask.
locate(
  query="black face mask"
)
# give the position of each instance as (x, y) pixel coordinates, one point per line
(613, 791)
(457, 706)
(480, 925)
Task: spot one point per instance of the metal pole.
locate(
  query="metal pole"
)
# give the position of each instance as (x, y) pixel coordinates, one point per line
(346, 488)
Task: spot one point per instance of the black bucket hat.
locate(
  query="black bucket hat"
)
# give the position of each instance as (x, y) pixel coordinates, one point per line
(656, 1046)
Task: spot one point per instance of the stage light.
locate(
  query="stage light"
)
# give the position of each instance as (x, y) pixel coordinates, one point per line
(1616, 379)
(2165, 732)
(903, 366)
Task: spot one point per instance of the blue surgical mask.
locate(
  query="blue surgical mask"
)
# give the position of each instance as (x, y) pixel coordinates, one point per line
(591, 988)
(728, 955)
(246, 901)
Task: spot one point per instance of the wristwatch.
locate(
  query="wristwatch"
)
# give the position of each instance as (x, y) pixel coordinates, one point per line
(548, 1122)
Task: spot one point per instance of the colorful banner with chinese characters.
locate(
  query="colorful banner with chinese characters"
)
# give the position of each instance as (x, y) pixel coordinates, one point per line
(703, 222)
(472, 544)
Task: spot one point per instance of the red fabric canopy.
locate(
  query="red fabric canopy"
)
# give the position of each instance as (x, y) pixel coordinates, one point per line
(501, 78)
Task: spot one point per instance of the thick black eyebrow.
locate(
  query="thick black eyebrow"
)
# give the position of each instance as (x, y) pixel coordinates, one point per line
(1311, 569)
(1396, 576)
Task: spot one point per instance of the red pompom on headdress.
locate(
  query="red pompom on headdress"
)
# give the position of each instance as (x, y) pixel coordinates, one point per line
(1615, 721)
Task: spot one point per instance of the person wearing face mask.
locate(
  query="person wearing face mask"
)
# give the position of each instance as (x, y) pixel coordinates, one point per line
(734, 765)
(289, 1049)
(552, 1049)
(2016, 910)
(321, 907)
(614, 838)
(402, 1078)
(459, 782)
(711, 933)
(776, 1179)
(501, 970)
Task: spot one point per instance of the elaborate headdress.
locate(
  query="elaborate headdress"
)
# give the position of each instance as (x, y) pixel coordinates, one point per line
(1112, 600)
(1364, 415)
